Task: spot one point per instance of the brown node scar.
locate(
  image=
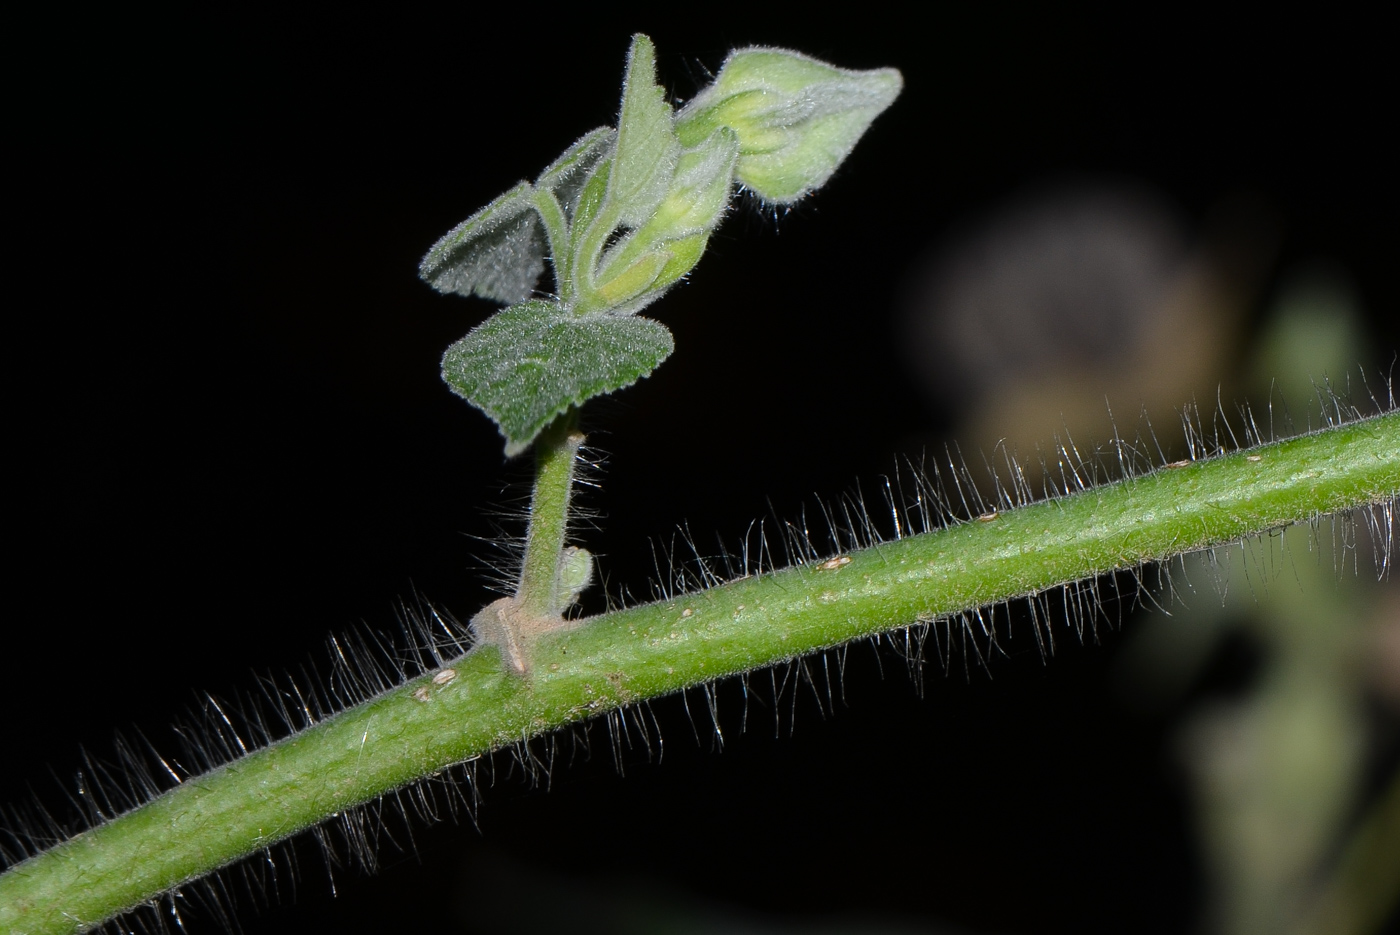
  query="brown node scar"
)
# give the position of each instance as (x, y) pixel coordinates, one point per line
(513, 630)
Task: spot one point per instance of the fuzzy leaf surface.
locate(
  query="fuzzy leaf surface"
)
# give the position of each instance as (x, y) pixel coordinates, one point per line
(497, 253)
(567, 175)
(529, 363)
(647, 147)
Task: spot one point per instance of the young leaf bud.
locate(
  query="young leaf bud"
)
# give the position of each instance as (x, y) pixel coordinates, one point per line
(796, 118)
(669, 244)
(699, 192)
(575, 575)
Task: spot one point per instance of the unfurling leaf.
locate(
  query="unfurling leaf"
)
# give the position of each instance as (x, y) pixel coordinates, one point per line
(797, 118)
(497, 253)
(647, 147)
(528, 364)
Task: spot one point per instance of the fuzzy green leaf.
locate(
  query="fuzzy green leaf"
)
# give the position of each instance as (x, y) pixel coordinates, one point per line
(797, 118)
(567, 175)
(497, 253)
(528, 364)
(647, 147)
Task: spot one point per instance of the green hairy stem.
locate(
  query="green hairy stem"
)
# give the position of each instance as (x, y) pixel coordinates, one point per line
(475, 705)
(549, 516)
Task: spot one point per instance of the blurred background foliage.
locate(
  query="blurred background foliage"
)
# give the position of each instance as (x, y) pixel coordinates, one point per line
(229, 437)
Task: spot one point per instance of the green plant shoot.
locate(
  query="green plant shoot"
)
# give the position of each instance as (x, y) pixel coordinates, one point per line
(626, 213)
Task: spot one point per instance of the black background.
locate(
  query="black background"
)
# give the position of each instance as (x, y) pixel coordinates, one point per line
(226, 435)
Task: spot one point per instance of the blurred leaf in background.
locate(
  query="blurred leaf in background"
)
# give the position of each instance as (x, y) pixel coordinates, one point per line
(1088, 307)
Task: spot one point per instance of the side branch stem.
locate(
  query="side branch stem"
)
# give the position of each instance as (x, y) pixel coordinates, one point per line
(416, 730)
(555, 451)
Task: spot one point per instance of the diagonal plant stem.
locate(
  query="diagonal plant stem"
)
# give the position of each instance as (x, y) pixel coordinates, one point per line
(419, 728)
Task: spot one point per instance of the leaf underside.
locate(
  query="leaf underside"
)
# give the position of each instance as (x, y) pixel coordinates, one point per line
(528, 364)
(497, 253)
